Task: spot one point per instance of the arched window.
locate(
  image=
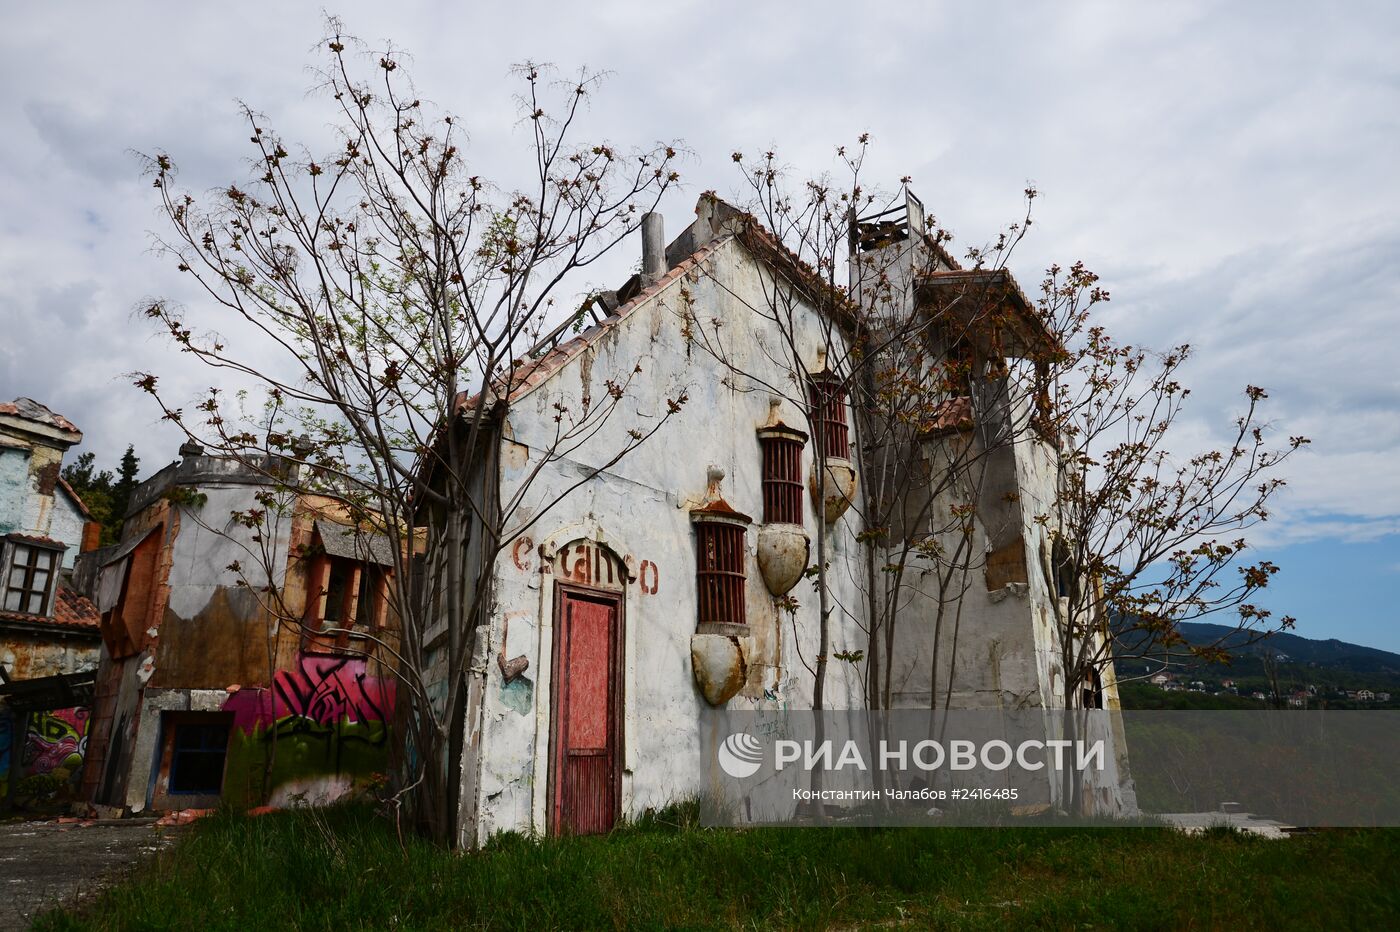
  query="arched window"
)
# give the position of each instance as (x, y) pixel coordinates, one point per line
(719, 563)
(827, 398)
(782, 474)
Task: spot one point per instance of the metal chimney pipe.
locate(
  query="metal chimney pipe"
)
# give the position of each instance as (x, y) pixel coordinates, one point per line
(653, 248)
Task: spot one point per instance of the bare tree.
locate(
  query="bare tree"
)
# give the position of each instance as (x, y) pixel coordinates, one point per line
(1144, 538)
(945, 386)
(379, 300)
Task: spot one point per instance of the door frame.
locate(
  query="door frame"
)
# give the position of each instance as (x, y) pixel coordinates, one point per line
(616, 715)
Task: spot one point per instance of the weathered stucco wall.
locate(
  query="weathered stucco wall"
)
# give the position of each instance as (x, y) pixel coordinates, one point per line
(304, 727)
(66, 524)
(640, 509)
(27, 657)
(212, 632)
(14, 485)
(31, 501)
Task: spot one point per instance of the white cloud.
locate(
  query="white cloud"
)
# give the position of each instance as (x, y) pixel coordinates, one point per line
(1228, 168)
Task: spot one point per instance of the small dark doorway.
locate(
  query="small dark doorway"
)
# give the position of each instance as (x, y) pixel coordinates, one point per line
(194, 752)
(585, 741)
(197, 759)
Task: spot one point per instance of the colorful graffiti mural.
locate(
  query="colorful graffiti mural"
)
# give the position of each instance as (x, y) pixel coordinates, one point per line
(50, 757)
(319, 732)
(56, 741)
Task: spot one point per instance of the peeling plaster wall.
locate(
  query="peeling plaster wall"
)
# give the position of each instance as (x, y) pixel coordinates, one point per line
(66, 524)
(14, 487)
(27, 657)
(1000, 648)
(211, 632)
(194, 583)
(30, 501)
(305, 728)
(639, 509)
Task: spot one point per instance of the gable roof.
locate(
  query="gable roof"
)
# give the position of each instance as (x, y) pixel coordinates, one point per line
(531, 374)
(727, 223)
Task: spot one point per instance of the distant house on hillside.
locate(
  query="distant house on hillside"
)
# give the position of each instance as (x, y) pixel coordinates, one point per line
(48, 631)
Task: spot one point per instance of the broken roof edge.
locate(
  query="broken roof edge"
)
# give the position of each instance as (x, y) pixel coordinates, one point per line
(28, 409)
(77, 499)
(726, 223)
(536, 372)
(767, 247)
(1032, 327)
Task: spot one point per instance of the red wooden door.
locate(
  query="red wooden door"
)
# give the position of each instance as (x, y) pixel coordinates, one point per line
(586, 774)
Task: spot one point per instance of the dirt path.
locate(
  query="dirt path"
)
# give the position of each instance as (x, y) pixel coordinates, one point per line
(46, 863)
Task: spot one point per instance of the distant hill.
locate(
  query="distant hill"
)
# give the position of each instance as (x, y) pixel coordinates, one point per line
(1324, 653)
(1330, 653)
(1328, 670)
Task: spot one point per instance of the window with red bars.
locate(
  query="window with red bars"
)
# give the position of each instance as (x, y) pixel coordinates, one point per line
(828, 400)
(719, 572)
(782, 480)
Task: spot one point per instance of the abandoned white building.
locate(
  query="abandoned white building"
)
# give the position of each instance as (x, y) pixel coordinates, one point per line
(666, 581)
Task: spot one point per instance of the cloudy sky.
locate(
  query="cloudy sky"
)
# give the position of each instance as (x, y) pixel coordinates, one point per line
(1231, 170)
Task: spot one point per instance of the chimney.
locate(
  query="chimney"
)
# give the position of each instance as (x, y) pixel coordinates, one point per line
(653, 248)
(92, 536)
(190, 450)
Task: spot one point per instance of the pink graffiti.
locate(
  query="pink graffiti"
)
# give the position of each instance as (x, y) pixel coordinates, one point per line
(54, 738)
(322, 690)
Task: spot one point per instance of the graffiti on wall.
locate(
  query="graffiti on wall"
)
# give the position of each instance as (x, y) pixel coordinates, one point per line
(50, 758)
(320, 731)
(56, 741)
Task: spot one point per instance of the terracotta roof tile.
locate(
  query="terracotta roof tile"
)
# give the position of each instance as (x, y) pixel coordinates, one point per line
(71, 610)
(75, 610)
(721, 509)
(950, 416)
(37, 539)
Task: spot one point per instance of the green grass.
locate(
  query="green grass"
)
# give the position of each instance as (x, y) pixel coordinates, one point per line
(343, 869)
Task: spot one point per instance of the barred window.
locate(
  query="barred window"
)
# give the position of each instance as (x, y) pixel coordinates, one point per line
(827, 397)
(719, 571)
(782, 475)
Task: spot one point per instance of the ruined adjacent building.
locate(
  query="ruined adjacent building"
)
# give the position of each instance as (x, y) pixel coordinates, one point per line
(48, 631)
(668, 581)
(242, 662)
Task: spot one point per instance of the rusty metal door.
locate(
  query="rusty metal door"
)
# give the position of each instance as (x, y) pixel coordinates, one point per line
(586, 772)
